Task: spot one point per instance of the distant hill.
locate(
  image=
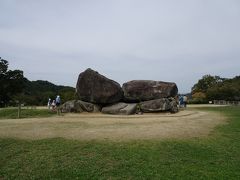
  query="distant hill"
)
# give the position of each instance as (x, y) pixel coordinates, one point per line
(38, 92)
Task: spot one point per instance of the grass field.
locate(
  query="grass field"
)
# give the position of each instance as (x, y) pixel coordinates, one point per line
(12, 113)
(214, 157)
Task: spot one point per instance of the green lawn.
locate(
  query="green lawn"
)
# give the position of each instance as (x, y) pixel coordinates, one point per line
(12, 113)
(215, 157)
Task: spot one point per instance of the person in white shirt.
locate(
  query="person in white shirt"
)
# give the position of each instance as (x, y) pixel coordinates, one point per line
(49, 103)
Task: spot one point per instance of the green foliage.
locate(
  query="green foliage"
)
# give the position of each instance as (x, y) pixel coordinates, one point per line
(12, 113)
(206, 82)
(216, 88)
(38, 92)
(198, 98)
(215, 157)
(14, 87)
(3, 66)
(67, 93)
(227, 90)
(11, 82)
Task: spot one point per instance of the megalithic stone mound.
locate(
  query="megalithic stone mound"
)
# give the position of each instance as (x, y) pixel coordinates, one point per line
(120, 108)
(158, 105)
(145, 90)
(96, 88)
(79, 106)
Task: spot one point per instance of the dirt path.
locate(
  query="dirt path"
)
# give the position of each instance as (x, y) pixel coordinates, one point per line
(185, 124)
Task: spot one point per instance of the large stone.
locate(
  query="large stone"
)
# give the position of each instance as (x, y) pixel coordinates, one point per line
(120, 108)
(156, 105)
(173, 105)
(96, 88)
(79, 106)
(144, 90)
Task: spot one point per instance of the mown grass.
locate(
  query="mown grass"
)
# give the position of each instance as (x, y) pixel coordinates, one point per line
(215, 157)
(12, 113)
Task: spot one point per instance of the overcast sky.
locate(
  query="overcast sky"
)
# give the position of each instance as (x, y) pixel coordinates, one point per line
(167, 40)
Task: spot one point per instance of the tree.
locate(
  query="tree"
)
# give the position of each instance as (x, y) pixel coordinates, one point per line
(199, 98)
(11, 83)
(206, 82)
(215, 88)
(38, 92)
(228, 90)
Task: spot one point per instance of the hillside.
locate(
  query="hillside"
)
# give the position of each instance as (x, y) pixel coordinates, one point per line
(38, 92)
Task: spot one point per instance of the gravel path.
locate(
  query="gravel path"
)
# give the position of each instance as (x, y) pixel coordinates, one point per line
(185, 124)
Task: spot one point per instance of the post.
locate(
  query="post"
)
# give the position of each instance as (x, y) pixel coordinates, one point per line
(19, 110)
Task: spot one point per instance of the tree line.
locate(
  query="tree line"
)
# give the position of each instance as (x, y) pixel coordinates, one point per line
(15, 88)
(210, 88)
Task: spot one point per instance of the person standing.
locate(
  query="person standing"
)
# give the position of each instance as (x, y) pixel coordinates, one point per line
(181, 103)
(58, 102)
(53, 105)
(49, 103)
(185, 101)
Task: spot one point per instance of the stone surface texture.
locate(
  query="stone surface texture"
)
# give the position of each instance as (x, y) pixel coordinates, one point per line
(144, 90)
(96, 88)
